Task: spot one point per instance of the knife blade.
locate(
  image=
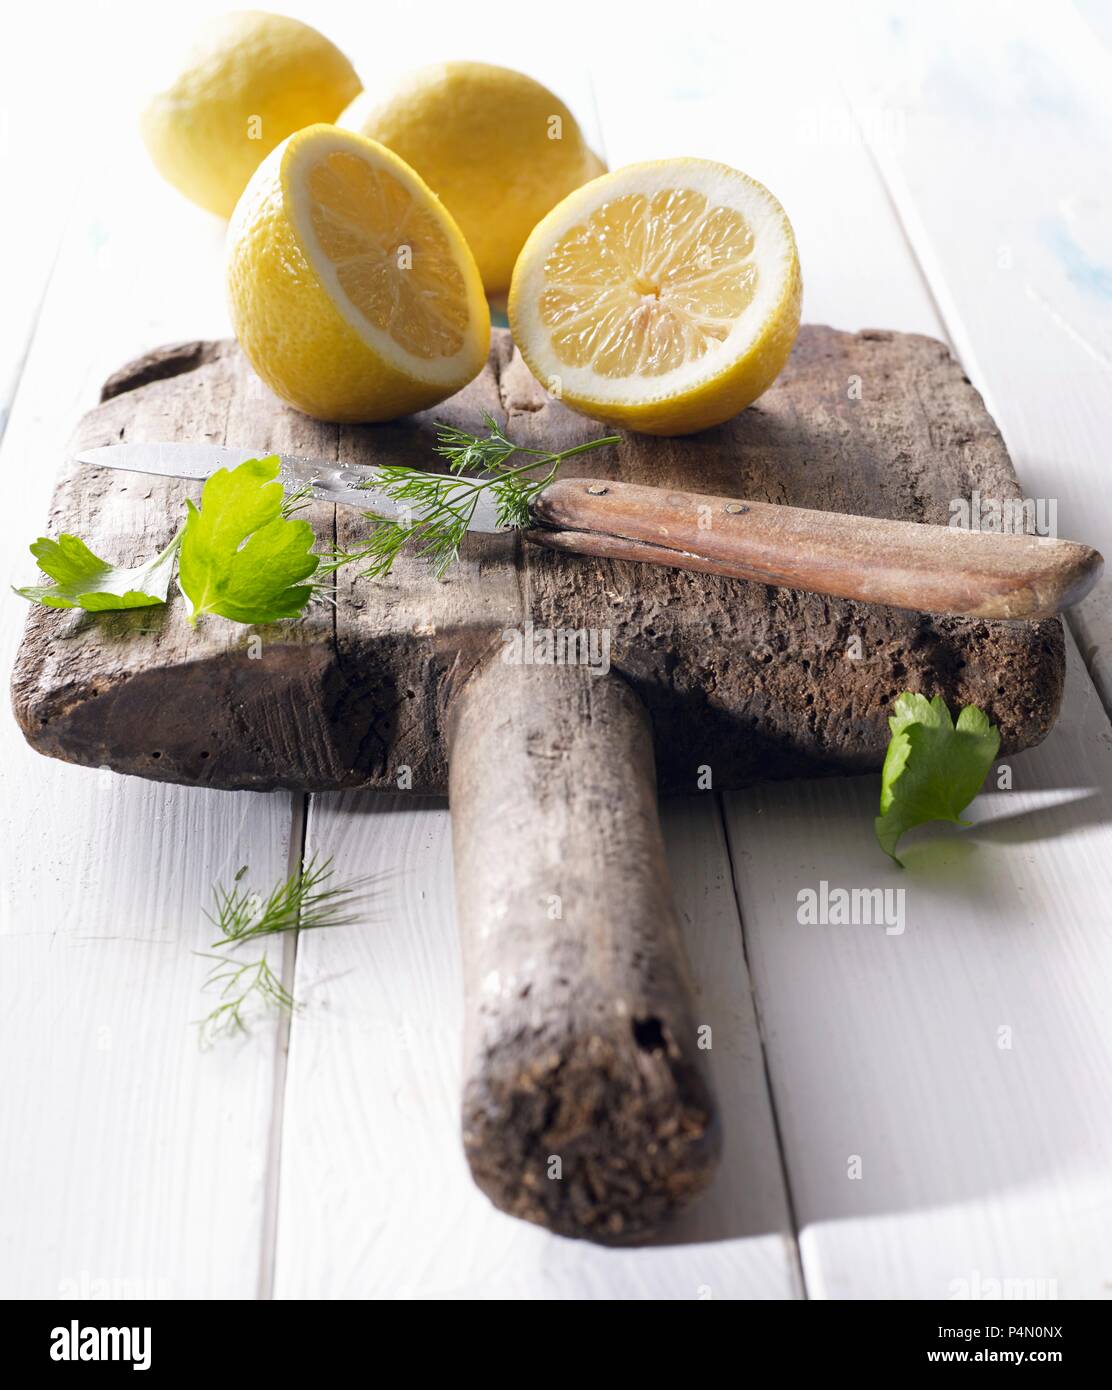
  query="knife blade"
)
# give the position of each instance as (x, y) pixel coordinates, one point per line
(345, 485)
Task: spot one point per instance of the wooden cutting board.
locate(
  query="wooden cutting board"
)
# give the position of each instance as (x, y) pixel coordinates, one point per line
(750, 681)
(582, 1044)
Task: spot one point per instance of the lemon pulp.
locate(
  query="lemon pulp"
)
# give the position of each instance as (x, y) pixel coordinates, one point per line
(646, 284)
(664, 296)
(390, 255)
(352, 291)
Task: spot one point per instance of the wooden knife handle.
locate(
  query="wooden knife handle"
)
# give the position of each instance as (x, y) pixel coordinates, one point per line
(585, 1107)
(936, 569)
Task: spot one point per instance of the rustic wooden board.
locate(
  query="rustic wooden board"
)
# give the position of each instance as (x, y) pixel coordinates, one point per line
(750, 681)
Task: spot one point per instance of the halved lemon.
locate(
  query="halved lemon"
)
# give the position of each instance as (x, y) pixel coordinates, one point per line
(351, 289)
(664, 296)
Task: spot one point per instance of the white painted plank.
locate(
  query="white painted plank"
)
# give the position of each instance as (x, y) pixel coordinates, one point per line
(1098, 15)
(844, 1060)
(133, 1163)
(748, 86)
(22, 301)
(376, 1200)
(999, 168)
(979, 1159)
(29, 239)
(747, 1215)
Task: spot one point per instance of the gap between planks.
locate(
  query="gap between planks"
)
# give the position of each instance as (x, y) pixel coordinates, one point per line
(766, 1071)
(268, 1246)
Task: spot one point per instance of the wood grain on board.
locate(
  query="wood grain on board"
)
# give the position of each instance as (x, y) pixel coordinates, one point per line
(581, 1043)
(758, 683)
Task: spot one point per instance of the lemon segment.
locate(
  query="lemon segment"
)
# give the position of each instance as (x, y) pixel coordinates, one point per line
(496, 146)
(665, 296)
(352, 291)
(250, 80)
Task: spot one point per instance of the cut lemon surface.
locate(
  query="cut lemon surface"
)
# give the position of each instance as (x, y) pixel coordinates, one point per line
(664, 296)
(352, 291)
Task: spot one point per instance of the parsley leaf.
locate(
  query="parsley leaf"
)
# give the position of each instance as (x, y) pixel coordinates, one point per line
(84, 580)
(932, 769)
(240, 557)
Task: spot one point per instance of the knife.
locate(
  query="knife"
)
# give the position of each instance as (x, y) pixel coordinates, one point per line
(935, 569)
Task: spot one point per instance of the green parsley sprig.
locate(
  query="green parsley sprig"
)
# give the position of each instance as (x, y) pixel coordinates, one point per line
(83, 580)
(244, 554)
(933, 768)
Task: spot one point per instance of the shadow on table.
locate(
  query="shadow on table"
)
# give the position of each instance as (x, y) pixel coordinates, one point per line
(963, 1055)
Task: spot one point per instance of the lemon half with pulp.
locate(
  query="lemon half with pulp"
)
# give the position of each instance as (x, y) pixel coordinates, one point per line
(664, 296)
(351, 289)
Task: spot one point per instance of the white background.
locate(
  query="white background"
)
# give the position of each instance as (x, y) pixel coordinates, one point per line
(946, 168)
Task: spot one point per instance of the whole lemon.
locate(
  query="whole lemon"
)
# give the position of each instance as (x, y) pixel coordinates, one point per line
(497, 147)
(250, 80)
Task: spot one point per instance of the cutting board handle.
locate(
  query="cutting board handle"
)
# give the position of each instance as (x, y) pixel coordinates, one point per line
(585, 1104)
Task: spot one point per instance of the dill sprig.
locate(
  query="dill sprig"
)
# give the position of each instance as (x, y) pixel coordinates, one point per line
(441, 506)
(243, 987)
(295, 502)
(306, 901)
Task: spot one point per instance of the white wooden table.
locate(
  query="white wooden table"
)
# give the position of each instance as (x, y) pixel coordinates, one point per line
(946, 169)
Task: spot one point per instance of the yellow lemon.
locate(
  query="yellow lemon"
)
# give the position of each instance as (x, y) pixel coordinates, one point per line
(498, 148)
(351, 290)
(250, 80)
(664, 296)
